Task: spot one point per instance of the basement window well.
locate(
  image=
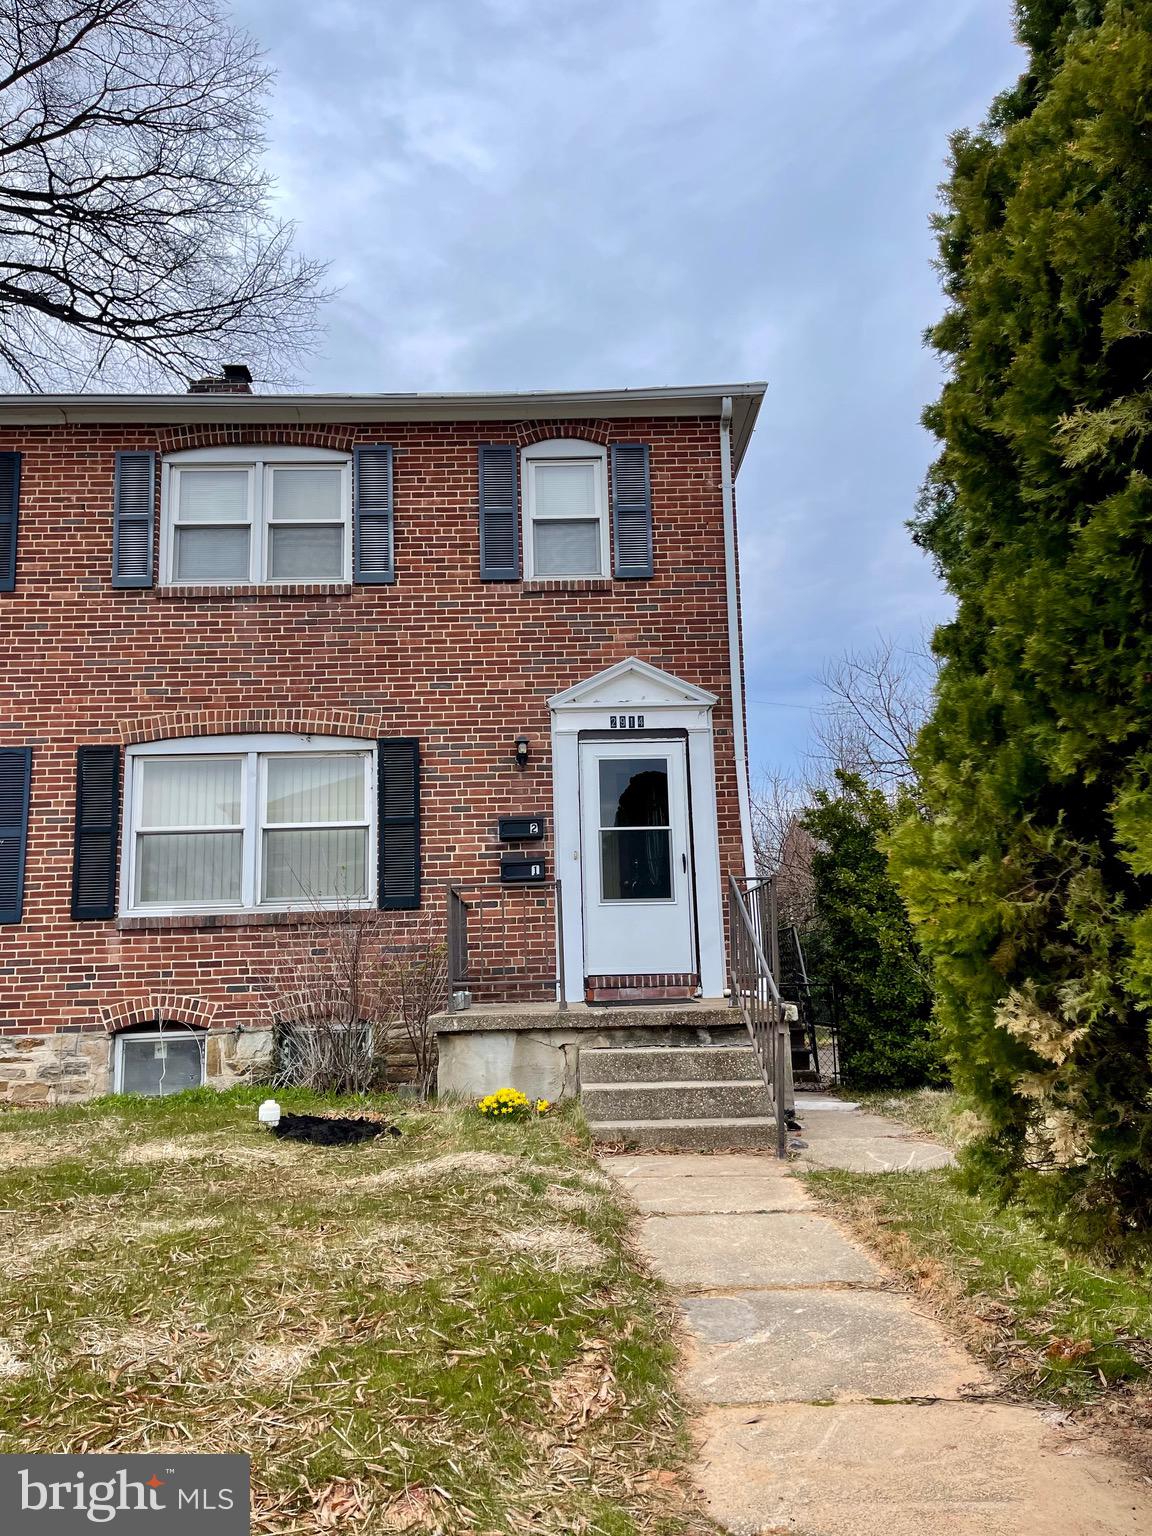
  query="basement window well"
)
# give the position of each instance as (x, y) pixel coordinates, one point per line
(157, 1062)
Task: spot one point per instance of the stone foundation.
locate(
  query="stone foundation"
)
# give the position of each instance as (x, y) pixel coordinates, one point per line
(66, 1068)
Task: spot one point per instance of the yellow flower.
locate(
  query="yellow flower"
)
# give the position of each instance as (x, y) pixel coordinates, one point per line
(503, 1102)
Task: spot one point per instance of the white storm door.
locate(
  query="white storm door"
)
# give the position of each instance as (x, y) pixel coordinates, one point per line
(635, 858)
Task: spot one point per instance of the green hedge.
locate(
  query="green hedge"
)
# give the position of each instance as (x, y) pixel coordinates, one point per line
(1030, 881)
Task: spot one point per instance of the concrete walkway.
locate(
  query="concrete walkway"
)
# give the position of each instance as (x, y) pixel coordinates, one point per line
(830, 1403)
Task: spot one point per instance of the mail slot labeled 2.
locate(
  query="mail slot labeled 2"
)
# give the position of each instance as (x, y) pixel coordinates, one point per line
(521, 829)
(522, 871)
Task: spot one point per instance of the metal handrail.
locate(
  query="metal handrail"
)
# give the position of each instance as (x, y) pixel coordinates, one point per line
(459, 969)
(800, 960)
(755, 992)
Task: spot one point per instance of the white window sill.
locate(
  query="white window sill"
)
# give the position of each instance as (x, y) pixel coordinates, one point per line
(253, 918)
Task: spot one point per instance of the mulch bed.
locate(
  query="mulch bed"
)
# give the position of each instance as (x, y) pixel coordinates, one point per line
(332, 1130)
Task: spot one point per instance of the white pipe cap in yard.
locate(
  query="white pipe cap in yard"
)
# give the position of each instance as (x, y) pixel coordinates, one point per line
(269, 1112)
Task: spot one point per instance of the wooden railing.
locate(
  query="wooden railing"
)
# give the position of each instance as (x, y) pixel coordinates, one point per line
(482, 937)
(753, 965)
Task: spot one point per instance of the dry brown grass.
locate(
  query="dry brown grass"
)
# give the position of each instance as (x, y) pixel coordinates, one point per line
(416, 1335)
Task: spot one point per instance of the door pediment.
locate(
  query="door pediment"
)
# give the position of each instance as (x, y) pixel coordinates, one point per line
(632, 684)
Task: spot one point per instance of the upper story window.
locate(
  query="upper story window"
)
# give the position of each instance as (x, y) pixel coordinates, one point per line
(565, 509)
(244, 823)
(235, 516)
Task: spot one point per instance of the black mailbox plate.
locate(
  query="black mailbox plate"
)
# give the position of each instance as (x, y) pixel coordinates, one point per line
(521, 829)
(518, 871)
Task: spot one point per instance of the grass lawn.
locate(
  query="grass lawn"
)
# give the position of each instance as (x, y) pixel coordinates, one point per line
(447, 1331)
(1057, 1327)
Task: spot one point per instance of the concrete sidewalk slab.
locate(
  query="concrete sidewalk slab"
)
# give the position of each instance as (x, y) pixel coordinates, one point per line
(702, 1195)
(627, 1166)
(773, 1321)
(946, 1469)
(805, 1346)
(731, 1251)
(873, 1154)
(854, 1126)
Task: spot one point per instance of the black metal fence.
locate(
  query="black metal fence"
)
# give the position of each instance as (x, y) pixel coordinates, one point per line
(816, 1033)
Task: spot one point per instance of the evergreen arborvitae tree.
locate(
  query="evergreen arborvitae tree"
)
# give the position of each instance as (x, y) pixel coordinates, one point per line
(1030, 880)
(862, 943)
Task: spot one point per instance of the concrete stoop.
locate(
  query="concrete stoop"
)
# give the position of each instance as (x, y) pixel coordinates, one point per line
(692, 1098)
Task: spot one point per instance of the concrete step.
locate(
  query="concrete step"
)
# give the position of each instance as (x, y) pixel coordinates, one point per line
(757, 1132)
(668, 1064)
(733, 1100)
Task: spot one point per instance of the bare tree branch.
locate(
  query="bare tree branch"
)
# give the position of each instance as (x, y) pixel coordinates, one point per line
(783, 847)
(138, 241)
(878, 700)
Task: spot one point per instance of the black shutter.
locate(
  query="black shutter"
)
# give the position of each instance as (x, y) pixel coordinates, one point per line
(499, 544)
(15, 781)
(631, 511)
(97, 825)
(133, 519)
(398, 770)
(373, 529)
(9, 517)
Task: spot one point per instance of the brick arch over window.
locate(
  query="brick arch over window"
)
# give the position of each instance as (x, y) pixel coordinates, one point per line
(529, 432)
(178, 439)
(304, 721)
(160, 1008)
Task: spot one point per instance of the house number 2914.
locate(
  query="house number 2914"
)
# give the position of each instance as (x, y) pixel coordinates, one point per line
(626, 722)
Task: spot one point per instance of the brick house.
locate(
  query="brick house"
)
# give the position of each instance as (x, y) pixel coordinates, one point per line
(268, 654)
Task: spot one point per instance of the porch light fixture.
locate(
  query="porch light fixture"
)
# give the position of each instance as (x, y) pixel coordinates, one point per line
(521, 751)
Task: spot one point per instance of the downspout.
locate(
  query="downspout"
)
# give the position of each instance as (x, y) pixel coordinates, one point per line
(739, 734)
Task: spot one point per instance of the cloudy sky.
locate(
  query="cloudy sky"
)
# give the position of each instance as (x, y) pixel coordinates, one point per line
(523, 194)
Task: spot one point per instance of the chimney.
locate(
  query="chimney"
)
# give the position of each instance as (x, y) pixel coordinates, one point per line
(234, 379)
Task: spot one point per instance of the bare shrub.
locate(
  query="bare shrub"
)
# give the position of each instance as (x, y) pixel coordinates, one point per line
(325, 1004)
(350, 994)
(413, 983)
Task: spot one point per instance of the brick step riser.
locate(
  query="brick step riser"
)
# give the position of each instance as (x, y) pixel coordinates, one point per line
(675, 1101)
(664, 1064)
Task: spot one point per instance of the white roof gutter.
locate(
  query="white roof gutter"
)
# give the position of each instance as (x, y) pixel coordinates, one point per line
(735, 652)
(704, 400)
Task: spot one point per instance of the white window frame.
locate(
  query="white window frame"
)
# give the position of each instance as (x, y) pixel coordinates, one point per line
(255, 462)
(252, 750)
(575, 451)
(154, 1036)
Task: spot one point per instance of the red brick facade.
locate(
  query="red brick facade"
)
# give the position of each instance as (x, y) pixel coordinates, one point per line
(461, 664)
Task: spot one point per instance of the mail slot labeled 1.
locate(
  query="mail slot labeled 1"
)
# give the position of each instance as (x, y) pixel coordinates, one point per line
(522, 871)
(521, 829)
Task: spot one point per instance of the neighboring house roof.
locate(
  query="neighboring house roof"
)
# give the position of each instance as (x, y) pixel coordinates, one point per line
(569, 405)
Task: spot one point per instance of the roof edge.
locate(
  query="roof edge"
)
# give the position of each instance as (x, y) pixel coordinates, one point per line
(692, 400)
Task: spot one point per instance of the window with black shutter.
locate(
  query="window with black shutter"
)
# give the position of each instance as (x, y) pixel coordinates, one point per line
(499, 532)
(398, 770)
(9, 518)
(15, 782)
(133, 519)
(96, 831)
(631, 512)
(372, 515)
